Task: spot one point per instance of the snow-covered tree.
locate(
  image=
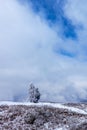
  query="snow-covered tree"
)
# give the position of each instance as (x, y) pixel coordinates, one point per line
(34, 94)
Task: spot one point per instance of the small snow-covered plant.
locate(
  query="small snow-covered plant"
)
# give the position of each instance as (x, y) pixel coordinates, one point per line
(34, 94)
(29, 117)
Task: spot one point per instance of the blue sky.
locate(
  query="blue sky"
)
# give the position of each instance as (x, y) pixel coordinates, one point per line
(54, 14)
(43, 42)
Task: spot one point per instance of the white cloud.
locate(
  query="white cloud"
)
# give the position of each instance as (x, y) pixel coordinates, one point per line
(27, 55)
(25, 46)
(76, 11)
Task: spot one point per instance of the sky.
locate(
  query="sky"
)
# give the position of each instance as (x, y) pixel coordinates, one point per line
(44, 43)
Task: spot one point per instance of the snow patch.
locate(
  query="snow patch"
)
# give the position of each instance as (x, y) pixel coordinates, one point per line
(55, 105)
(60, 129)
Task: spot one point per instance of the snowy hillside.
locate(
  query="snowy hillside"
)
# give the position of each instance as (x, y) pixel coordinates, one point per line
(42, 116)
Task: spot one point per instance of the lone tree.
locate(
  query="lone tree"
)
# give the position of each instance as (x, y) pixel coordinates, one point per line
(34, 94)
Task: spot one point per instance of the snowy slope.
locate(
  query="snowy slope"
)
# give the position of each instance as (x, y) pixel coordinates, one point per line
(55, 105)
(42, 116)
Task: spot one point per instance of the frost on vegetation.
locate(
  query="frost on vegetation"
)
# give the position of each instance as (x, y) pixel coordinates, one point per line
(44, 117)
(80, 126)
(34, 94)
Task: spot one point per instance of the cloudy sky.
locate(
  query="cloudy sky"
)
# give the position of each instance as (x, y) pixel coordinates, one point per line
(43, 42)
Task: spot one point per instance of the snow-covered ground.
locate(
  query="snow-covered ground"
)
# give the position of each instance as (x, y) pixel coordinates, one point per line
(42, 116)
(55, 105)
